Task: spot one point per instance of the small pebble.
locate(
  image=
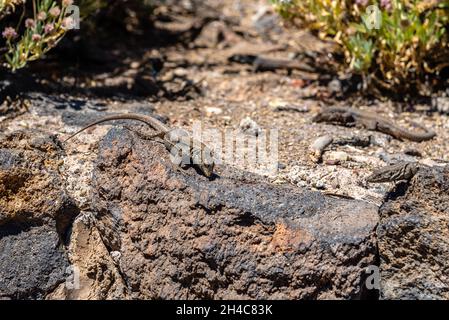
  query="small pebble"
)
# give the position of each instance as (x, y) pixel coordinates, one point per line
(332, 162)
(249, 126)
(281, 166)
(339, 156)
(380, 140)
(180, 72)
(319, 185)
(292, 108)
(321, 143)
(317, 147)
(213, 110)
(335, 86)
(277, 103)
(413, 152)
(134, 65)
(281, 105)
(116, 255)
(430, 162)
(394, 157)
(441, 104)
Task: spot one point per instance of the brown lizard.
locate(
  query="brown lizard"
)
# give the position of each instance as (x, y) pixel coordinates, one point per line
(370, 121)
(175, 140)
(396, 172)
(260, 63)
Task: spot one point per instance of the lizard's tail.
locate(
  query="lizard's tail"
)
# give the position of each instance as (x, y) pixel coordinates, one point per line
(155, 124)
(81, 130)
(420, 136)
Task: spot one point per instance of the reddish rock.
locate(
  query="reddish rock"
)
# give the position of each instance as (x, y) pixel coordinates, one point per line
(35, 215)
(182, 236)
(153, 230)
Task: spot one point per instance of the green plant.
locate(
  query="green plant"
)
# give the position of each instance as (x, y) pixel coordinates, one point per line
(41, 24)
(38, 34)
(9, 4)
(409, 45)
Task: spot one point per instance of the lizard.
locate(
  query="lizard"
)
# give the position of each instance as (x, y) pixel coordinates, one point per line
(260, 63)
(371, 121)
(174, 139)
(395, 172)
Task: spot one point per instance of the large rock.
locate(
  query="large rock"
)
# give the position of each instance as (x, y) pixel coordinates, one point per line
(35, 214)
(413, 237)
(32, 262)
(152, 230)
(42, 247)
(97, 273)
(181, 235)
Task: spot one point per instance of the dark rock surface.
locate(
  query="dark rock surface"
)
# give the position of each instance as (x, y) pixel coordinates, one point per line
(157, 231)
(413, 236)
(35, 215)
(32, 262)
(183, 236)
(170, 233)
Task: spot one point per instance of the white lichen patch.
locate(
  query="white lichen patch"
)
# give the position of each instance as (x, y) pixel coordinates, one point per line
(35, 122)
(81, 152)
(77, 171)
(337, 180)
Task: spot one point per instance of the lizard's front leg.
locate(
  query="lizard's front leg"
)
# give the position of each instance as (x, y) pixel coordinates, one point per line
(370, 124)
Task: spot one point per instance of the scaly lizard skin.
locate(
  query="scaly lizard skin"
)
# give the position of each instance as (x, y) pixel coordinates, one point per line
(175, 140)
(395, 172)
(270, 64)
(260, 63)
(370, 121)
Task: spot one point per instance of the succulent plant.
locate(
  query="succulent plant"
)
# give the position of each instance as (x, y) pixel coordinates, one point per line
(405, 47)
(31, 28)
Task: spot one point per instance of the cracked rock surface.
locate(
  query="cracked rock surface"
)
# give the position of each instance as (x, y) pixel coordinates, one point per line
(182, 236)
(414, 238)
(155, 231)
(35, 214)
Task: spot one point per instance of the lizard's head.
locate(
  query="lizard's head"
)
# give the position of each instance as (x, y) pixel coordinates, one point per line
(203, 158)
(207, 169)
